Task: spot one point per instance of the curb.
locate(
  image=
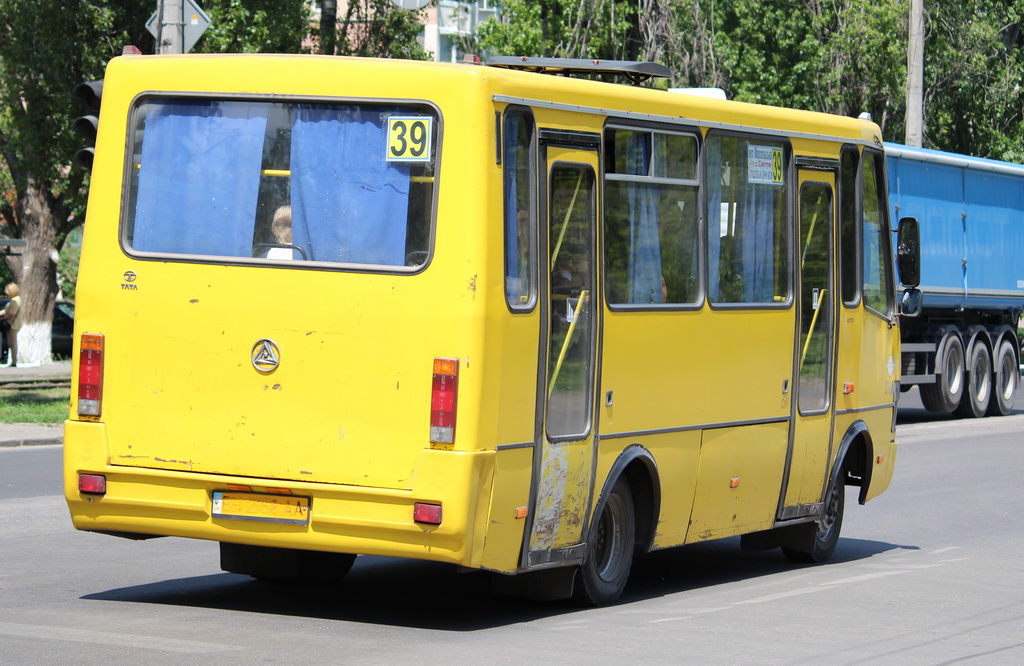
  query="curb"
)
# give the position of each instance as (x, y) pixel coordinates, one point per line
(16, 443)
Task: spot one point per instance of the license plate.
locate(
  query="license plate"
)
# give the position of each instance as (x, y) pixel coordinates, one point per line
(264, 508)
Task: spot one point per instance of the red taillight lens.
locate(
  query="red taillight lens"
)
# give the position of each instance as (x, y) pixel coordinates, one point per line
(426, 513)
(94, 484)
(443, 400)
(90, 375)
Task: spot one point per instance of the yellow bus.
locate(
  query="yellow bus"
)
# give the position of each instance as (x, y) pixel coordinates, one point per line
(508, 317)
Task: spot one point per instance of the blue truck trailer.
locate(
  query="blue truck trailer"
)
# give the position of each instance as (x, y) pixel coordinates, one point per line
(963, 351)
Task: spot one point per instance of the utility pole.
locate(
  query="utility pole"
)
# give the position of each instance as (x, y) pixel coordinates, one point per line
(328, 23)
(915, 76)
(172, 25)
(177, 25)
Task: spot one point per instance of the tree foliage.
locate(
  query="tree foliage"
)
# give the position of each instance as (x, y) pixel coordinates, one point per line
(375, 28)
(255, 26)
(606, 29)
(974, 68)
(43, 54)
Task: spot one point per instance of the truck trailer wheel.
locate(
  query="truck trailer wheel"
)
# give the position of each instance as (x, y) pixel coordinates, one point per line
(945, 394)
(1005, 375)
(979, 382)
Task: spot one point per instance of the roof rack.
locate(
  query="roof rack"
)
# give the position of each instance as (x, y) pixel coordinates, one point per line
(635, 71)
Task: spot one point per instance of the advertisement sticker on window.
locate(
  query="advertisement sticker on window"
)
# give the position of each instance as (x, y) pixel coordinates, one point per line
(764, 165)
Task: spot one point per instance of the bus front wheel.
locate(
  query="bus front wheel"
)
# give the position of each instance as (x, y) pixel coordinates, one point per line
(823, 543)
(603, 575)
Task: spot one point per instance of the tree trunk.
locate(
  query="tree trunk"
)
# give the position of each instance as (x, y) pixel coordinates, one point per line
(38, 275)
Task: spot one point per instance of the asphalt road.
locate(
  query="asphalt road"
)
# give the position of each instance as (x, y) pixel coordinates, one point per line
(932, 572)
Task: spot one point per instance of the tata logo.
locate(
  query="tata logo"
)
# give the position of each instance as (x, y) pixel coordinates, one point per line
(129, 276)
(265, 356)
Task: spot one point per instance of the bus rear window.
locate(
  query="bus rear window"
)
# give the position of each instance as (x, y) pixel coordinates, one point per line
(254, 181)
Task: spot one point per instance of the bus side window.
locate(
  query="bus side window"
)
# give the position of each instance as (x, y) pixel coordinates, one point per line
(650, 218)
(520, 178)
(849, 267)
(747, 220)
(878, 286)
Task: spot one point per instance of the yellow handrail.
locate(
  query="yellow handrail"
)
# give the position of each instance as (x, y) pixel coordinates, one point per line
(565, 223)
(584, 296)
(814, 318)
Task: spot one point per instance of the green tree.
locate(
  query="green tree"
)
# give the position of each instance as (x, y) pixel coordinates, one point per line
(604, 29)
(44, 52)
(770, 50)
(974, 67)
(374, 29)
(255, 26)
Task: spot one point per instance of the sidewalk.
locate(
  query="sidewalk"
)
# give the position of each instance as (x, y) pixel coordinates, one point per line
(33, 434)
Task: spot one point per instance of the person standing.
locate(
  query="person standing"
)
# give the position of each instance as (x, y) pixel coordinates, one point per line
(12, 315)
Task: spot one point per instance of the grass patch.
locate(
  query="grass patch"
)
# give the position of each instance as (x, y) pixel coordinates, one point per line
(34, 406)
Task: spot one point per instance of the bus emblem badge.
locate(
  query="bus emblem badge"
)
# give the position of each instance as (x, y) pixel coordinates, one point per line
(265, 355)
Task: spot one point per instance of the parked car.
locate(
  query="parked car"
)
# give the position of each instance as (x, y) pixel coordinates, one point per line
(63, 329)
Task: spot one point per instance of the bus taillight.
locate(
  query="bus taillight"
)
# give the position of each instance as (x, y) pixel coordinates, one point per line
(443, 399)
(90, 374)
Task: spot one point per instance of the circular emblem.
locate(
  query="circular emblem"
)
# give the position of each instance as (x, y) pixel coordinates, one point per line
(129, 276)
(265, 356)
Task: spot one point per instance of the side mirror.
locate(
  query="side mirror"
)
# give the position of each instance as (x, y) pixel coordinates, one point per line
(911, 302)
(908, 252)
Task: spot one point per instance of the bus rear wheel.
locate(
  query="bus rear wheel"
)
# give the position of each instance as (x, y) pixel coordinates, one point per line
(603, 575)
(974, 402)
(1005, 376)
(826, 536)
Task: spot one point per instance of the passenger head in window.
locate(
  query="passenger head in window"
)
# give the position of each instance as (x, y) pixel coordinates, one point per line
(281, 227)
(280, 245)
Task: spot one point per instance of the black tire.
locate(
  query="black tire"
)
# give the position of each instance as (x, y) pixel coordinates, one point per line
(978, 389)
(1005, 376)
(285, 564)
(612, 540)
(947, 392)
(826, 537)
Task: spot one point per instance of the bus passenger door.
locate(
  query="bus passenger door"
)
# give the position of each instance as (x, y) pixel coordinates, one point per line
(813, 410)
(566, 423)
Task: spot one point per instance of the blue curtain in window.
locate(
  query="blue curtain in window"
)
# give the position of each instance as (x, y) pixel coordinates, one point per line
(713, 155)
(511, 208)
(757, 243)
(199, 179)
(645, 250)
(349, 204)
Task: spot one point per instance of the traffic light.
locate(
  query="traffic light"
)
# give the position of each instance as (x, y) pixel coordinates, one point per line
(89, 94)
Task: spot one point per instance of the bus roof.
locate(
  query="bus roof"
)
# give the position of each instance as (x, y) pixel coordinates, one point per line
(506, 85)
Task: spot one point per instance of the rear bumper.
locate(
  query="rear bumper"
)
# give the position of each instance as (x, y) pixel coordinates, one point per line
(348, 519)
